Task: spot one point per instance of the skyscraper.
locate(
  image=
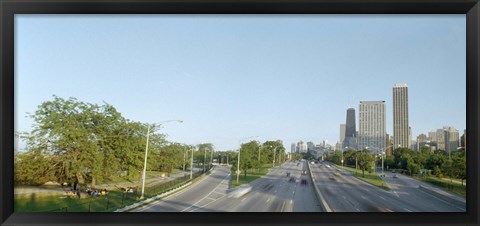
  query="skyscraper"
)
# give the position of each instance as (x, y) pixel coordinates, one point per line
(342, 132)
(400, 116)
(371, 122)
(451, 139)
(350, 129)
(422, 140)
(441, 139)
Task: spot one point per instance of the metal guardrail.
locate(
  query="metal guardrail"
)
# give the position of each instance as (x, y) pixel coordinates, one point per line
(323, 202)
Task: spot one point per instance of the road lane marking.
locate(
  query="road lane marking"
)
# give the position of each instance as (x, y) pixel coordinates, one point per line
(381, 197)
(206, 195)
(243, 199)
(396, 194)
(268, 199)
(291, 201)
(211, 198)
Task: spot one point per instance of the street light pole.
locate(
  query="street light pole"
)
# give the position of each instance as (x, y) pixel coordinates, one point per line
(150, 127)
(204, 160)
(211, 158)
(238, 165)
(274, 152)
(184, 158)
(382, 161)
(145, 164)
(191, 166)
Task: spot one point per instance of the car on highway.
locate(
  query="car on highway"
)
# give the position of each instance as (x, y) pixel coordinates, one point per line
(240, 191)
(395, 176)
(292, 179)
(304, 181)
(304, 172)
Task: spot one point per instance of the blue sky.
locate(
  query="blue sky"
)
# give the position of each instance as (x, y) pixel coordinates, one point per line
(288, 77)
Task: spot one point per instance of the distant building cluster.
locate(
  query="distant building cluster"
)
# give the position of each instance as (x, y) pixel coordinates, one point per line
(372, 133)
(309, 147)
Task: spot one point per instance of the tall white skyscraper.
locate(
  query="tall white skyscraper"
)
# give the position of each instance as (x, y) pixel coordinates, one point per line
(372, 130)
(342, 132)
(400, 116)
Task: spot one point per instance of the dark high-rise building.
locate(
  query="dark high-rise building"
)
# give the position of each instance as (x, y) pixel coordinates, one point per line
(350, 140)
(401, 128)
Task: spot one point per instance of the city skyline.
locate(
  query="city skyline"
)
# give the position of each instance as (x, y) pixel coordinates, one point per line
(237, 77)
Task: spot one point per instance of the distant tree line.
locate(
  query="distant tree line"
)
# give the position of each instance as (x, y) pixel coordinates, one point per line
(254, 155)
(439, 163)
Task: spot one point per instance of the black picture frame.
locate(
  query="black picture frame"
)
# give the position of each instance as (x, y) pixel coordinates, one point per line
(11, 7)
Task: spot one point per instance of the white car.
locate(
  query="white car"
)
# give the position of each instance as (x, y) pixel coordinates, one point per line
(240, 191)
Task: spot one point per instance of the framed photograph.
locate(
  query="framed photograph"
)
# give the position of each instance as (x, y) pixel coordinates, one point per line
(239, 113)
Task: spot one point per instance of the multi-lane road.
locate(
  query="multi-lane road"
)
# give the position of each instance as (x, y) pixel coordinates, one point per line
(345, 193)
(275, 192)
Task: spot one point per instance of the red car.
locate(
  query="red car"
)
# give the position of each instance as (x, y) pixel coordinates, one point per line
(304, 181)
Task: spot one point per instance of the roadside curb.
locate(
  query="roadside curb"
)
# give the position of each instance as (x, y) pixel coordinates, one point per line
(323, 202)
(446, 198)
(159, 196)
(146, 201)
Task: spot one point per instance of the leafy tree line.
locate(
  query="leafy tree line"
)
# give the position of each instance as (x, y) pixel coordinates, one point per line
(438, 163)
(73, 141)
(253, 155)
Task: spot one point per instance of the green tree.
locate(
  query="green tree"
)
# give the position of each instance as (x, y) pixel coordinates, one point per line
(204, 154)
(84, 143)
(412, 166)
(349, 157)
(365, 161)
(248, 156)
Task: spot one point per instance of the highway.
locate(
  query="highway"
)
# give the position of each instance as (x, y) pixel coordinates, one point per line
(274, 193)
(407, 189)
(271, 193)
(198, 195)
(345, 193)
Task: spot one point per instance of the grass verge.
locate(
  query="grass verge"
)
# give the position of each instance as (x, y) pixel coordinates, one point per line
(252, 175)
(443, 184)
(116, 199)
(370, 178)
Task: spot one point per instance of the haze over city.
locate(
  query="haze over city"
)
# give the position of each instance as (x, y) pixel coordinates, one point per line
(228, 77)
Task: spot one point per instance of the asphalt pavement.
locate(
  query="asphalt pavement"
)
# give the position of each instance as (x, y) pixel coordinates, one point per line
(345, 193)
(273, 192)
